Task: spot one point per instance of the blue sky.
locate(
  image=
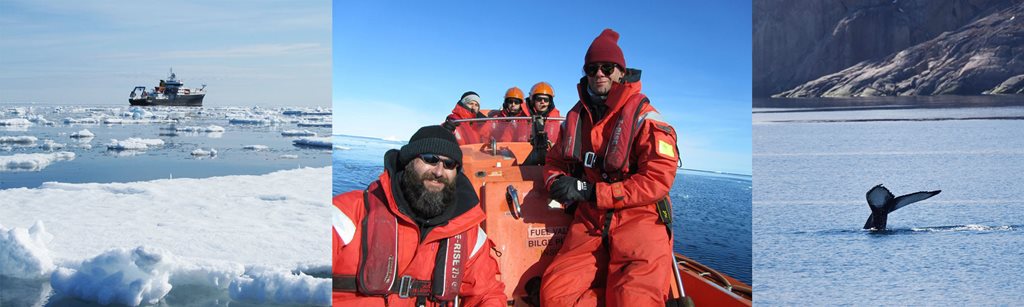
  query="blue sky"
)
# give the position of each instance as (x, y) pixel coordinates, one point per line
(95, 52)
(397, 68)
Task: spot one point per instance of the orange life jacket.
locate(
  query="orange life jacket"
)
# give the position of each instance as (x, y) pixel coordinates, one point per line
(614, 162)
(378, 266)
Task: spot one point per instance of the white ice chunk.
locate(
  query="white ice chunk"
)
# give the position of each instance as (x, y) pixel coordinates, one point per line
(23, 252)
(15, 122)
(265, 285)
(85, 133)
(256, 147)
(51, 145)
(129, 277)
(134, 144)
(298, 133)
(203, 153)
(289, 156)
(22, 139)
(34, 161)
(314, 141)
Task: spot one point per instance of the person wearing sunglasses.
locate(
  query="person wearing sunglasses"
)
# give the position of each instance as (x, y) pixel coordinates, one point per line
(542, 102)
(613, 167)
(467, 107)
(387, 238)
(510, 130)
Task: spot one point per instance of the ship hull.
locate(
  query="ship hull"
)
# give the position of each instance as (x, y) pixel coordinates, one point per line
(180, 100)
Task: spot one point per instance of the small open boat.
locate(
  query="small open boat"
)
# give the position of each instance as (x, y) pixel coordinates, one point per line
(528, 227)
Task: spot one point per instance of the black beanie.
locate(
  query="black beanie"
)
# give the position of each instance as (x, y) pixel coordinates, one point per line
(431, 139)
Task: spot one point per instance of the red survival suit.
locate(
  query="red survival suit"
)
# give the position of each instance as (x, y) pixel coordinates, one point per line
(552, 127)
(417, 255)
(467, 132)
(617, 243)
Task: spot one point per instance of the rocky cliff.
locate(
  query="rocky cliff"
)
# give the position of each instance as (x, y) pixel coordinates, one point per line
(796, 41)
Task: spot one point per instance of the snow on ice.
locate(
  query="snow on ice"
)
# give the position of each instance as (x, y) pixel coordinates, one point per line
(33, 161)
(22, 139)
(298, 133)
(105, 254)
(23, 252)
(134, 144)
(200, 152)
(278, 286)
(15, 122)
(85, 133)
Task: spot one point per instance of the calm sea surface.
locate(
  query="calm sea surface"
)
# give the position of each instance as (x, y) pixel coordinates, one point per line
(812, 169)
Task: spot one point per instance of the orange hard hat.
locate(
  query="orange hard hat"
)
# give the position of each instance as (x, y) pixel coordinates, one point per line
(542, 88)
(514, 92)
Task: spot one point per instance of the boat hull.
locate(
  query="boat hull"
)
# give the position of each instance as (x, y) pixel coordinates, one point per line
(180, 100)
(528, 228)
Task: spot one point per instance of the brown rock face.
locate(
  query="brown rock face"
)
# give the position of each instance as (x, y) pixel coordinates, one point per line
(796, 41)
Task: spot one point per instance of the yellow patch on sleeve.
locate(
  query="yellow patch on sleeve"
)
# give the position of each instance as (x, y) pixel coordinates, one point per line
(666, 149)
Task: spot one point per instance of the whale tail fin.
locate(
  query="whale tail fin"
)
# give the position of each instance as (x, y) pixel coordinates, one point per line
(882, 202)
(911, 198)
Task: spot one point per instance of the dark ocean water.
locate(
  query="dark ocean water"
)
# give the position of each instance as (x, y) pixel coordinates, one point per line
(93, 162)
(711, 218)
(961, 247)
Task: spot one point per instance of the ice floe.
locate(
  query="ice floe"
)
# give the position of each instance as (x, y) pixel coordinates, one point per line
(298, 133)
(278, 286)
(203, 153)
(23, 252)
(289, 156)
(21, 139)
(256, 147)
(50, 145)
(133, 144)
(85, 133)
(131, 243)
(33, 161)
(314, 141)
(15, 122)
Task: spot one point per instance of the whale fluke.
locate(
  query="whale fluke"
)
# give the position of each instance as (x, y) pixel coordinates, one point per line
(882, 202)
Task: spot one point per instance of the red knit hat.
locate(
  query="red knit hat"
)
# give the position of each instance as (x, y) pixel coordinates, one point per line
(605, 48)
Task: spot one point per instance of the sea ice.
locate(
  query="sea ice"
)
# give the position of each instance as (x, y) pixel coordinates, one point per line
(278, 286)
(23, 252)
(314, 141)
(286, 209)
(50, 145)
(256, 147)
(133, 144)
(201, 152)
(85, 133)
(33, 161)
(87, 120)
(289, 156)
(314, 124)
(15, 122)
(298, 133)
(23, 139)
(129, 277)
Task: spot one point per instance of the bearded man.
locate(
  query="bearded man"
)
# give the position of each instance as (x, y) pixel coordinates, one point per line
(413, 237)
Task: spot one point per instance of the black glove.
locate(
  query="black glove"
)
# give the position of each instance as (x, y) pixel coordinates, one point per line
(568, 188)
(450, 125)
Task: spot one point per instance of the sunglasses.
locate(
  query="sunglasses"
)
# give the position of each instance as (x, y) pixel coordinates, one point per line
(432, 159)
(513, 101)
(539, 98)
(606, 68)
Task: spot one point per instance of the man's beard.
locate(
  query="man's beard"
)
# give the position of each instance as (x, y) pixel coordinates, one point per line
(424, 203)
